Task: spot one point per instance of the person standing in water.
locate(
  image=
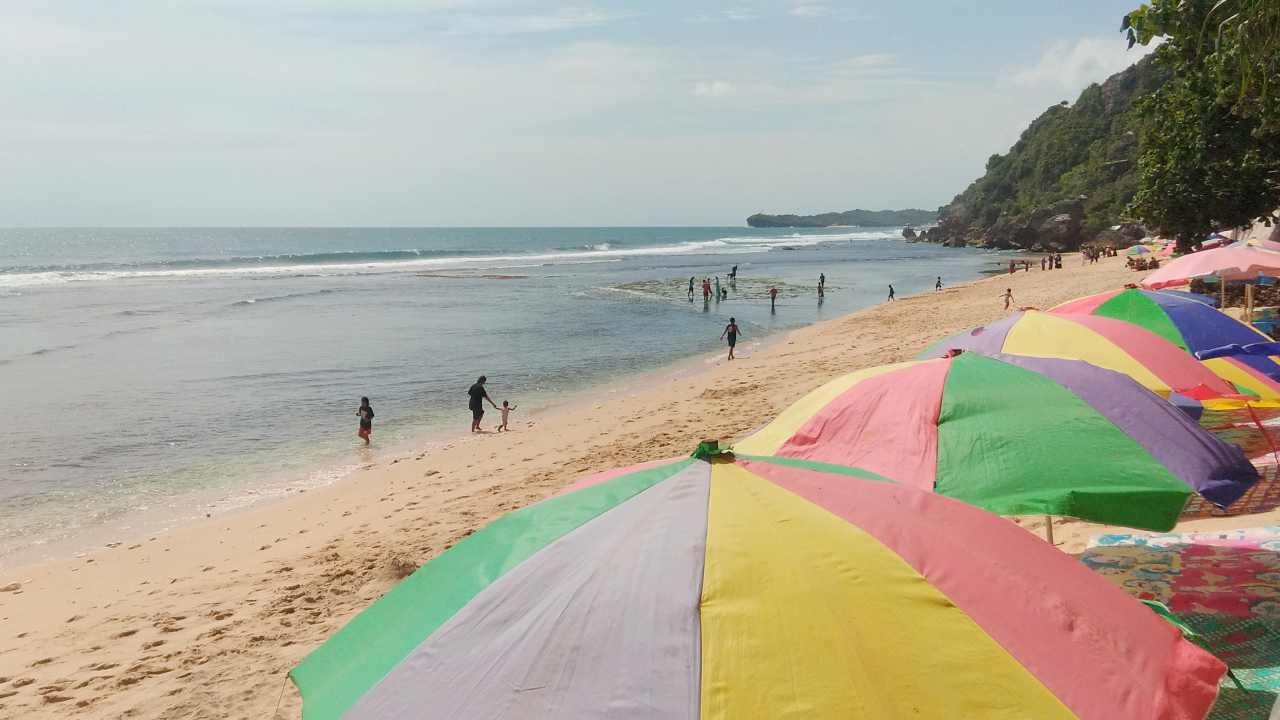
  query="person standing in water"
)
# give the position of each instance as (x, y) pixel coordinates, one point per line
(937, 286)
(1008, 297)
(731, 332)
(478, 396)
(690, 288)
(733, 274)
(366, 420)
(717, 288)
(890, 294)
(773, 298)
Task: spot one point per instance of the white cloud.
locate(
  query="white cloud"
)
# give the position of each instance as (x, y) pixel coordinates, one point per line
(713, 88)
(568, 19)
(741, 14)
(1069, 67)
(808, 10)
(868, 62)
(30, 35)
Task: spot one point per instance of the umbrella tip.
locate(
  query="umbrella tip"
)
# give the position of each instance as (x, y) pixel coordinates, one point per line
(708, 449)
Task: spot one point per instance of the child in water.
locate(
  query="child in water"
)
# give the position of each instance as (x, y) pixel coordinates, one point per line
(366, 419)
(506, 410)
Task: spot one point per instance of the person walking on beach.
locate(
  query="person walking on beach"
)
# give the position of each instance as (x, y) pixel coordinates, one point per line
(1008, 297)
(773, 298)
(731, 332)
(506, 411)
(890, 294)
(366, 420)
(478, 396)
(690, 288)
(937, 286)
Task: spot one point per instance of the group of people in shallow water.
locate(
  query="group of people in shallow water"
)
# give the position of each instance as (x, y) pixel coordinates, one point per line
(719, 293)
(477, 394)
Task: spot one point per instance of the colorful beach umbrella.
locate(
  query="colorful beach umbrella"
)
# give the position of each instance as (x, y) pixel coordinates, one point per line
(1230, 262)
(1016, 436)
(1139, 250)
(1154, 362)
(1194, 327)
(734, 590)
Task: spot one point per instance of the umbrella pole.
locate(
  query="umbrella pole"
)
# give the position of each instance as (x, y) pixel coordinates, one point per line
(1248, 302)
(1048, 529)
(1222, 294)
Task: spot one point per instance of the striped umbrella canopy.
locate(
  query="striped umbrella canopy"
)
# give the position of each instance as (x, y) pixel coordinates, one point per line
(1194, 327)
(1139, 250)
(733, 589)
(1016, 436)
(1154, 362)
(1230, 262)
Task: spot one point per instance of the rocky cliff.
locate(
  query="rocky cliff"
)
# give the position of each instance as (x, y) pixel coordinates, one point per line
(1066, 182)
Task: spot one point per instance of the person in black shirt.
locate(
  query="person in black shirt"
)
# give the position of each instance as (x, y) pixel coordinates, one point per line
(366, 419)
(478, 395)
(731, 332)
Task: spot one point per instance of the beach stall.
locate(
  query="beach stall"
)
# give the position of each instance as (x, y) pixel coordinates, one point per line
(729, 588)
(1233, 350)
(1014, 435)
(1156, 363)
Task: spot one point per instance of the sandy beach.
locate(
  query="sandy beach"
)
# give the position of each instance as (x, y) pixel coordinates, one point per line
(204, 622)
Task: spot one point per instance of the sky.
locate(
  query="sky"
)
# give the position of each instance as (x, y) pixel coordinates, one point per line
(516, 112)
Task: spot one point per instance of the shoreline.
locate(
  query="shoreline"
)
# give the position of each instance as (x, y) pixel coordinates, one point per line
(213, 615)
(264, 489)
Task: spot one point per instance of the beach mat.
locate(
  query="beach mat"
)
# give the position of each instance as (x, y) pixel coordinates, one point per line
(1264, 496)
(1225, 585)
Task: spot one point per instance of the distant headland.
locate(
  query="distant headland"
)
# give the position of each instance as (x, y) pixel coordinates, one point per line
(864, 218)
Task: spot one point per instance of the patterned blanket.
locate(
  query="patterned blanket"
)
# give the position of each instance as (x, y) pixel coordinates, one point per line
(1223, 584)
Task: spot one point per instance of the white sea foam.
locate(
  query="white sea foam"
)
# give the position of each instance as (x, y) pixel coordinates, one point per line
(735, 245)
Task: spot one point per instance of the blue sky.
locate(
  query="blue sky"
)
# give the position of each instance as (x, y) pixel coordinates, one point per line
(510, 112)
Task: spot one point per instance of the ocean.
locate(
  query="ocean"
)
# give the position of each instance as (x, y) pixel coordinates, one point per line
(153, 376)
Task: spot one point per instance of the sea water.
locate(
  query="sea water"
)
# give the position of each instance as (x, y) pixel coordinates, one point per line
(150, 376)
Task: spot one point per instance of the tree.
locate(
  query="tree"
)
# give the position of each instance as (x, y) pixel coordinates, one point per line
(1200, 168)
(1239, 40)
(1210, 140)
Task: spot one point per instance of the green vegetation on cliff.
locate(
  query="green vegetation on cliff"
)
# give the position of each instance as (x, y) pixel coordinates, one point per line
(1075, 159)
(864, 218)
